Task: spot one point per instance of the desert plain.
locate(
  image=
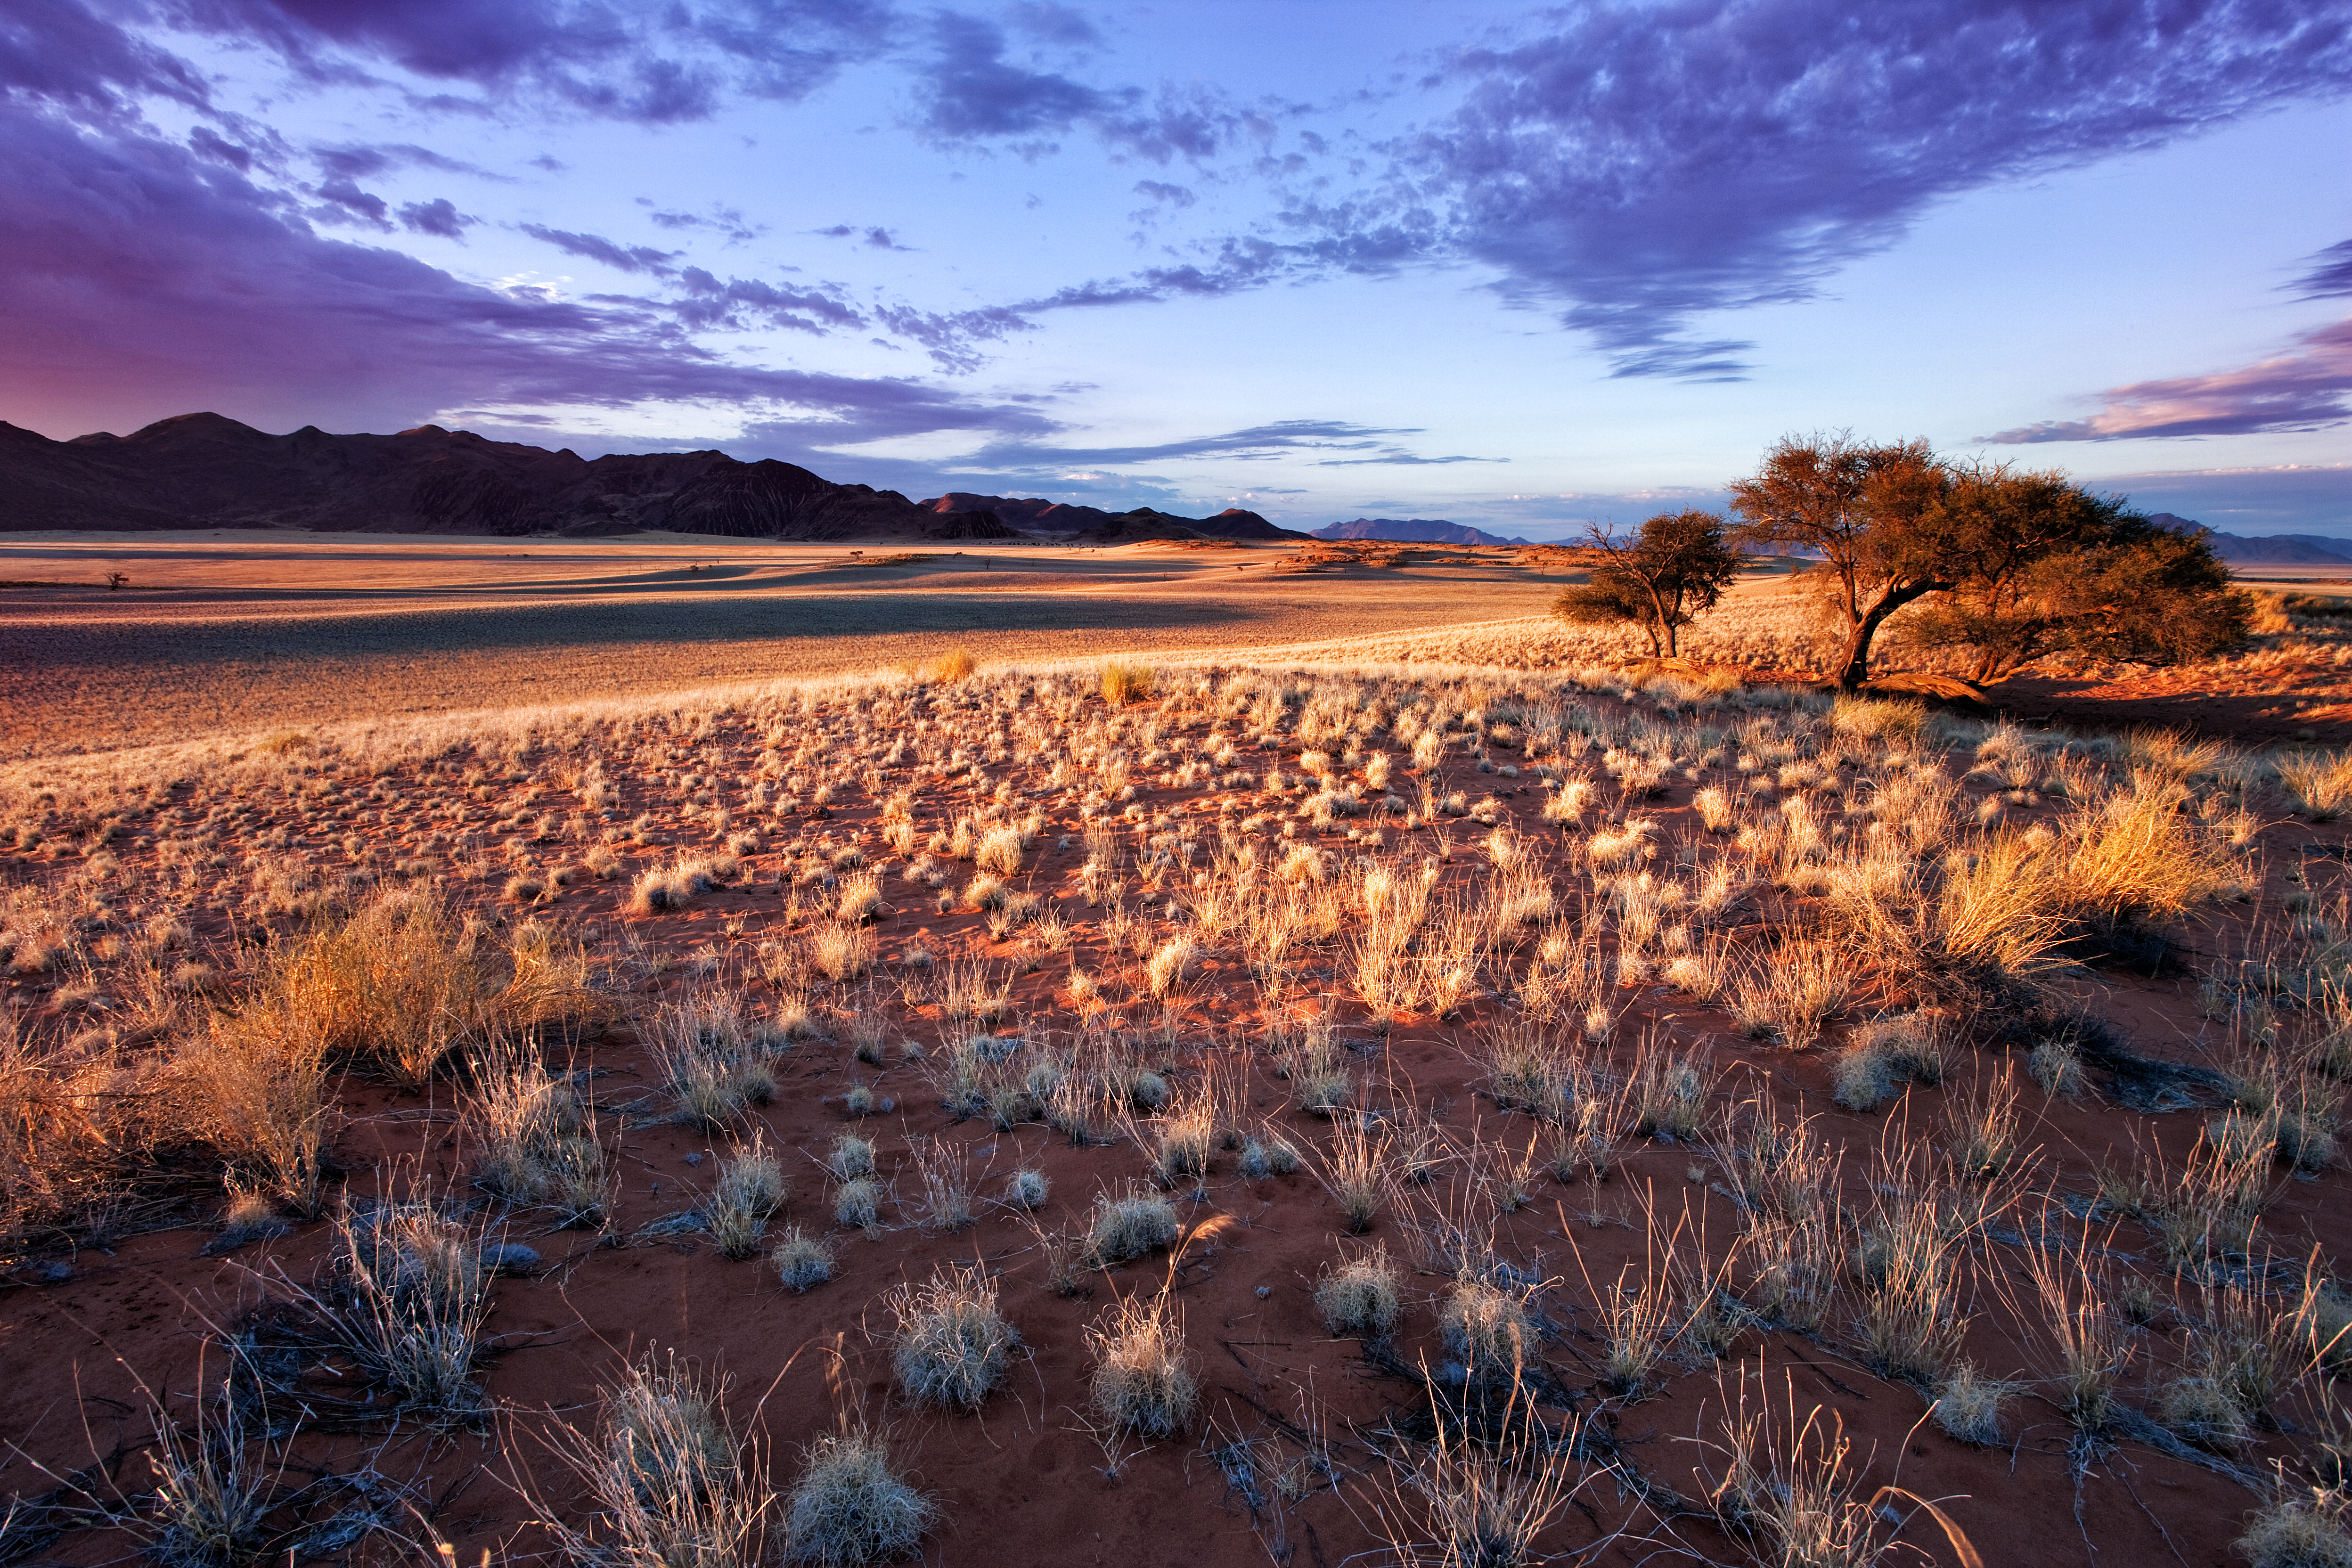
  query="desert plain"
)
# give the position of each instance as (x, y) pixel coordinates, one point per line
(674, 1051)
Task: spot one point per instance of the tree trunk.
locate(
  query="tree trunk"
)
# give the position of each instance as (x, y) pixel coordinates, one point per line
(1857, 642)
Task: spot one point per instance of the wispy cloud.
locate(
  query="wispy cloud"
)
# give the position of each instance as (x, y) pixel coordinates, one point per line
(1637, 167)
(2307, 390)
(2330, 275)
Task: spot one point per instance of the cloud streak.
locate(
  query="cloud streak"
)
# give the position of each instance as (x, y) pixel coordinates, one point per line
(2308, 390)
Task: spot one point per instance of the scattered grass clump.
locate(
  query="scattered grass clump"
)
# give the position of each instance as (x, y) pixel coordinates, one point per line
(851, 1506)
(952, 1342)
(1360, 1295)
(1143, 1382)
(802, 1261)
(1128, 1225)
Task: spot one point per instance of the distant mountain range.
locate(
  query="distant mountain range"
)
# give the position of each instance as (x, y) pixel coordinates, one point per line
(1413, 530)
(202, 471)
(1091, 525)
(2269, 549)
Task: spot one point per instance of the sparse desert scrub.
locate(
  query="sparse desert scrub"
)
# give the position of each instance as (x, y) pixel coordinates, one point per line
(1235, 809)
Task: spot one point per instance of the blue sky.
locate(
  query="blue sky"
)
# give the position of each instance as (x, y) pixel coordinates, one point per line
(1520, 268)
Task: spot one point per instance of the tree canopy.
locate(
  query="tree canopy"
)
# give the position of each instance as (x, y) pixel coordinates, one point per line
(1672, 570)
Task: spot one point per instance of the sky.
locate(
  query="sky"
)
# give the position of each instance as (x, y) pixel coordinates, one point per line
(1530, 268)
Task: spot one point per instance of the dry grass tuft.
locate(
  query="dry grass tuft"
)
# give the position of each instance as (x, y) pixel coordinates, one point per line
(952, 1342)
(1142, 1379)
(851, 1506)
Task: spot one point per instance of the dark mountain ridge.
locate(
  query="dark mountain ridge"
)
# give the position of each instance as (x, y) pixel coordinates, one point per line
(202, 471)
(1092, 525)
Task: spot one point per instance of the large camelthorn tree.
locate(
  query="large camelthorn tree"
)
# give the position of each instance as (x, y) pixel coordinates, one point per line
(2011, 565)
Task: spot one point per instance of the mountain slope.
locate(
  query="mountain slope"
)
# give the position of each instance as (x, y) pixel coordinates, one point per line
(1413, 530)
(2269, 549)
(201, 470)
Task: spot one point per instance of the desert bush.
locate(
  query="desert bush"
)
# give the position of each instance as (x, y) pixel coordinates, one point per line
(1355, 1170)
(946, 1183)
(858, 1202)
(1788, 1483)
(850, 1505)
(672, 1481)
(1789, 994)
(1124, 683)
(851, 1157)
(538, 1144)
(750, 1188)
(802, 1261)
(1486, 1331)
(1969, 1406)
(414, 1296)
(2300, 1529)
(261, 1087)
(400, 985)
(2319, 782)
(1026, 1189)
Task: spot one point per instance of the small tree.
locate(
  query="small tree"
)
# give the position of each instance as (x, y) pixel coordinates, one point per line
(1669, 574)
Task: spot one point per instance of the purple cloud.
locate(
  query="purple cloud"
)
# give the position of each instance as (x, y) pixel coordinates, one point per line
(596, 248)
(1644, 165)
(2309, 390)
(973, 91)
(654, 65)
(346, 203)
(439, 217)
(138, 280)
(1257, 443)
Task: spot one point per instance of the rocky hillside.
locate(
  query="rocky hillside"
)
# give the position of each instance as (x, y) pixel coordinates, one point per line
(201, 470)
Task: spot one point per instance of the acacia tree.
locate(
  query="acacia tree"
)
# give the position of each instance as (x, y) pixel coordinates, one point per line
(1875, 516)
(2012, 566)
(1670, 572)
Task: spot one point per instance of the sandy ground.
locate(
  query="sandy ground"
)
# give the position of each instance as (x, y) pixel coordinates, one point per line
(252, 630)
